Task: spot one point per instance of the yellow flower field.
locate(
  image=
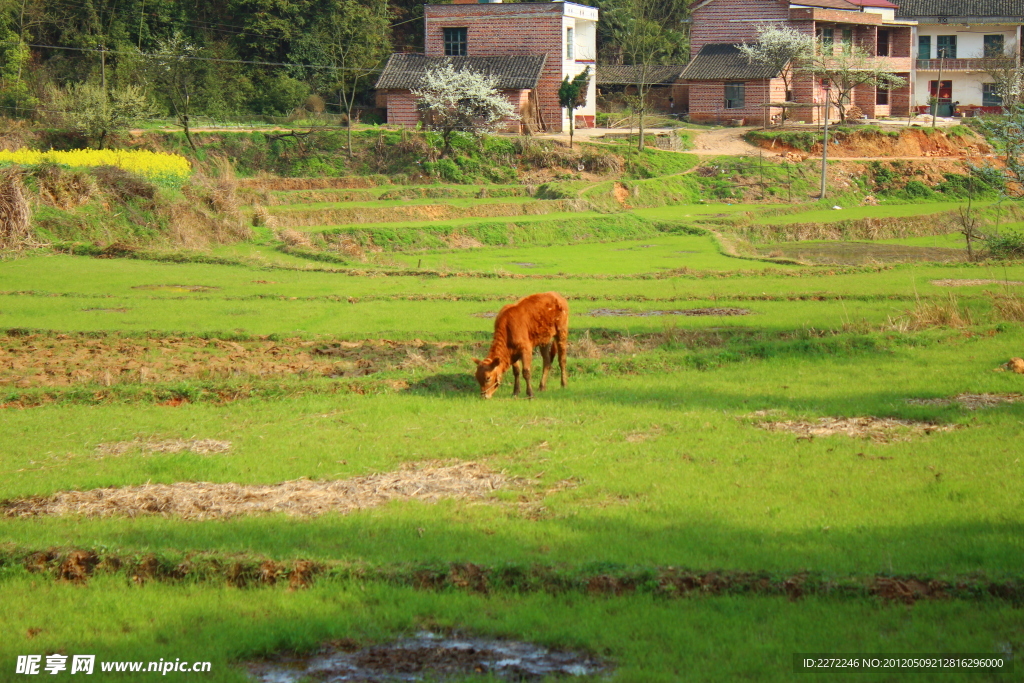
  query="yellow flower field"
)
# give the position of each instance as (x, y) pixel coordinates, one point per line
(149, 164)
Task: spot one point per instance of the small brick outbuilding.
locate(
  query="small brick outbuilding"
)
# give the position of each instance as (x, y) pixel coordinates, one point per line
(561, 34)
(516, 77)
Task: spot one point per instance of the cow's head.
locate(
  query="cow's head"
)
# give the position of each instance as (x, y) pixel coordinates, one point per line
(488, 375)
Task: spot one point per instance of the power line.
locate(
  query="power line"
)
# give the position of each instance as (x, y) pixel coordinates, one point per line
(197, 59)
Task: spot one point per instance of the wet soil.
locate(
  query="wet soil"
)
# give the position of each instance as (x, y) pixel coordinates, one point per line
(431, 657)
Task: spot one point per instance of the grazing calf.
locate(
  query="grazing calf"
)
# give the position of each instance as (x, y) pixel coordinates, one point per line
(537, 321)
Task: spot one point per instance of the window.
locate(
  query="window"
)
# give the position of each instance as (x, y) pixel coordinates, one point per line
(455, 42)
(735, 95)
(994, 45)
(847, 40)
(990, 96)
(924, 47)
(827, 36)
(882, 49)
(943, 90)
(789, 96)
(945, 46)
(881, 95)
(570, 45)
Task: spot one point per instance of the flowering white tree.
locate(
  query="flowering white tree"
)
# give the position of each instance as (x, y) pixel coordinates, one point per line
(780, 48)
(453, 100)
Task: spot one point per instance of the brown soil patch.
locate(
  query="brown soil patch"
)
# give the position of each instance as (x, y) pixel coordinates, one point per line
(429, 656)
(881, 429)
(969, 401)
(67, 360)
(912, 142)
(971, 283)
(621, 193)
(298, 498)
(200, 446)
(627, 312)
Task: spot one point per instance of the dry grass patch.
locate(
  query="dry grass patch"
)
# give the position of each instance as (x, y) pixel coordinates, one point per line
(969, 401)
(945, 313)
(199, 446)
(883, 429)
(971, 283)
(427, 482)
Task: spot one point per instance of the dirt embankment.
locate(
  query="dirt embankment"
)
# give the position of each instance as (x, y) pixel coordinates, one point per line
(910, 143)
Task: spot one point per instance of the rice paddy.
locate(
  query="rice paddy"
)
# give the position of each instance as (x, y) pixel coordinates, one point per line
(247, 460)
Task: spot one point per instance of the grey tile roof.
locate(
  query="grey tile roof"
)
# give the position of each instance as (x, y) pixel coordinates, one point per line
(629, 75)
(724, 61)
(911, 9)
(405, 71)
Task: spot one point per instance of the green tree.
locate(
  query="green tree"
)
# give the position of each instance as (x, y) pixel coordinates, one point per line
(572, 95)
(98, 114)
(176, 71)
(1007, 130)
(348, 44)
(644, 43)
(848, 66)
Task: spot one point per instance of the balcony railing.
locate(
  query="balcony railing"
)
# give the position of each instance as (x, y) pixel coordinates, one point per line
(976, 64)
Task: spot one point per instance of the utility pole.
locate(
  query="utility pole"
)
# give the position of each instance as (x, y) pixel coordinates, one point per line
(827, 85)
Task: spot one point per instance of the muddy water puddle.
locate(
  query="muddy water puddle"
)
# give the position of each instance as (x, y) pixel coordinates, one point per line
(431, 657)
(617, 312)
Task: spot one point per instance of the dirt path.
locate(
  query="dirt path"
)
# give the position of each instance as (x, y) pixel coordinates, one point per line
(727, 141)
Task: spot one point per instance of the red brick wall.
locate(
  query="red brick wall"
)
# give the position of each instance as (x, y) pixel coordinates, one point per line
(507, 29)
(707, 100)
(402, 111)
(732, 21)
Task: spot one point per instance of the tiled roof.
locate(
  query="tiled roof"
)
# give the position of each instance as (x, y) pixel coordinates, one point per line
(911, 9)
(405, 71)
(629, 75)
(723, 61)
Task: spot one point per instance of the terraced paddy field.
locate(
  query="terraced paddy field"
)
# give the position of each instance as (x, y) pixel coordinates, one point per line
(277, 449)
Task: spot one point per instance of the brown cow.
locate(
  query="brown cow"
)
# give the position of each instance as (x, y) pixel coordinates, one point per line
(537, 321)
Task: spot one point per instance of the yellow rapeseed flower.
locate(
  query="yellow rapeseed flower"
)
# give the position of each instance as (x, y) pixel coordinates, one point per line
(150, 164)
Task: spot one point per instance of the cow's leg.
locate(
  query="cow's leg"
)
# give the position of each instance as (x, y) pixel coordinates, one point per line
(562, 341)
(527, 358)
(515, 373)
(546, 352)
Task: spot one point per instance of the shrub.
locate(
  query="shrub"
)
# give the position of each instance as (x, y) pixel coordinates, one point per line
(1009, 245)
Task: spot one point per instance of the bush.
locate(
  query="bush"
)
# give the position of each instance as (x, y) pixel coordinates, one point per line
(1009, 245)
(915, 189)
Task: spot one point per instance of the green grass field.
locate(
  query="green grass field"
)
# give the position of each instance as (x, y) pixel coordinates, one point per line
(679, 509)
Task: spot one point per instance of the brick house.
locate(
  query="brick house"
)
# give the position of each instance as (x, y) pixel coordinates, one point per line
(559, 38)
(668, 93)
(723, 85)
(966, 40)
